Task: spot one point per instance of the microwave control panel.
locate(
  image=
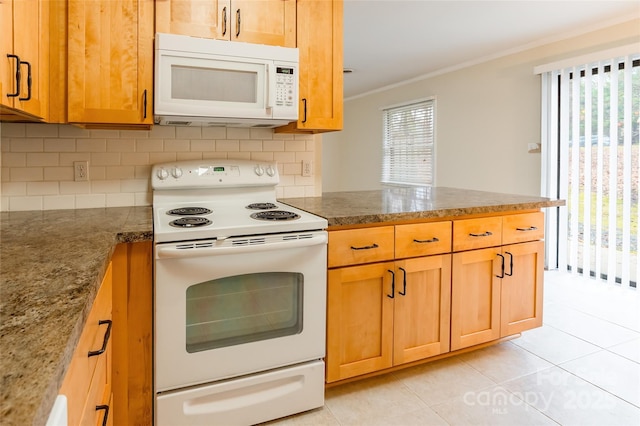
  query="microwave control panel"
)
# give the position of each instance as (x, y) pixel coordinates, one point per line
(285, 84)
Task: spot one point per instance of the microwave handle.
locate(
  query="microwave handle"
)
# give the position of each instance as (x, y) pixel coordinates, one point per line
(271, 86)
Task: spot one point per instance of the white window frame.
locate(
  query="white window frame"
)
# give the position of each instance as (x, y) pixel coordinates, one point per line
(407, 176)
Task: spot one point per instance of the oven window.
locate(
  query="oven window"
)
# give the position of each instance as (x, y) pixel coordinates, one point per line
(243, 308)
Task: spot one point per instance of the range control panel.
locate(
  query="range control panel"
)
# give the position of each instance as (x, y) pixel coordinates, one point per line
(214, 174)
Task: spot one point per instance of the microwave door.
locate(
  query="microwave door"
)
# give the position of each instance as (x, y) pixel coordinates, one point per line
(206, 87)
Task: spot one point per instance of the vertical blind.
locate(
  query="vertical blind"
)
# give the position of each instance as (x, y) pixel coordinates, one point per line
(408, 143)
(592, 117)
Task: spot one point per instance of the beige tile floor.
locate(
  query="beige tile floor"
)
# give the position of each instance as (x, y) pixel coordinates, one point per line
(582, 367)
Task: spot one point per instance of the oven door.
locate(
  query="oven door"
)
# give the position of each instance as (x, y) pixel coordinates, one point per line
(225, 308)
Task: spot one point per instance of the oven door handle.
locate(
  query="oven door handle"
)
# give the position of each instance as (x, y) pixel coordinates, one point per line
(173, 251)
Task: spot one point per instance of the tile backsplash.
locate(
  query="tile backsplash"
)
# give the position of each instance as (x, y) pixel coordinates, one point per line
(38, 174)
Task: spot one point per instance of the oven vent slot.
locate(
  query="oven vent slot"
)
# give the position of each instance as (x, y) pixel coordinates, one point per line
(207, 244)
(249, 242)
(297, 237)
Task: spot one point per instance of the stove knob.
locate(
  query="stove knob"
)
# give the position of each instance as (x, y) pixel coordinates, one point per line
(259, 170)
(176, 172)
(162, 174)
(271, 171)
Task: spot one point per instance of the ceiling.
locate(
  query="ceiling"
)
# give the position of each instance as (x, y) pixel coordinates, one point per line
(390, 41)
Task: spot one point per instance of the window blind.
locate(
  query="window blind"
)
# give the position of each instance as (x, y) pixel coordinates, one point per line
(408, 143)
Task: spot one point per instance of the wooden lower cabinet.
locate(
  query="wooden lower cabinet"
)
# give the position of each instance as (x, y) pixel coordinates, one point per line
(386, 314)
(496, 292)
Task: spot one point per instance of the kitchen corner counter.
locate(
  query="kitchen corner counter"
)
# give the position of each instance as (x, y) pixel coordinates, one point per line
(51, 266)
(399, 204)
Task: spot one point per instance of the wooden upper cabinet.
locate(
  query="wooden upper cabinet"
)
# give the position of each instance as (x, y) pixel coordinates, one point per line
(320, 34)
(110, 63)
(271, 22)
(25, 28)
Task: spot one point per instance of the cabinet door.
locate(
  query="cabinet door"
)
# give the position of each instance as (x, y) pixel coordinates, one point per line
(204, 18)
(110, 62)
(422, 308)
(359, 320)
(270, 22)
(522, 288)
(320, 29)
(7, 65)
(475, 297)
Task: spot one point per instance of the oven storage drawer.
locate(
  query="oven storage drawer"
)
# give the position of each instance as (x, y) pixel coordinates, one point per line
(247, 400)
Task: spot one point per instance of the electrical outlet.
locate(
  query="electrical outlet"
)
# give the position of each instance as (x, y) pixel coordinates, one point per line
(80, 171)
(307, 168)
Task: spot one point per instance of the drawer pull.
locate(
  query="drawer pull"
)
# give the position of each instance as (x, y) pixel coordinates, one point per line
(501, 267)
(433, 240)
(531, 228)
(485, 234)
(404, 283)
(106, 338)
(510, 273)
(374, 245)
(106, 413)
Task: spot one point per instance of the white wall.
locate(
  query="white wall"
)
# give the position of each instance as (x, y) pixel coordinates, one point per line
(486, 115)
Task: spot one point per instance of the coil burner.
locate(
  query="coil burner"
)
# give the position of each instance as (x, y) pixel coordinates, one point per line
(275, 215)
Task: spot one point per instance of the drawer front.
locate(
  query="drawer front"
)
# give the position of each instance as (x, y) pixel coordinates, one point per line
(355, 246)
(469, 234)
(518, 228)
(422, 239)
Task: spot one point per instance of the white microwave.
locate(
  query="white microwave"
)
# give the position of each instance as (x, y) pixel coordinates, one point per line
(206, 82)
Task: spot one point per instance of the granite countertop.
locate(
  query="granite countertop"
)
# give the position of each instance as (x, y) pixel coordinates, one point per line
(51, 265)
(397, 204)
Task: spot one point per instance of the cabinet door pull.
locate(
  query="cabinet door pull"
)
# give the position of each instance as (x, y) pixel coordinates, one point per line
(105, 341)
(510, 273)
(238, 23)
(501, 267)
(224, 20)
(304, 115)
(28, 64)
(144, 104)
(372, 246)
(393, 285)
(531, 228)
(17, 92)
(404, 282)
(432, 240)
(106, 413)
(484, 234)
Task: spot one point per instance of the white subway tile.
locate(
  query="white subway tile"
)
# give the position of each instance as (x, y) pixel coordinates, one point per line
(305, 156)
(303, 180)
(249, 145)
(295, 145)
(293, 191)
(203, 145)
(135, 185)
(220, 155)
(238, 133)
(105, 186)
(287, 180)
(120, 172)
(135, 159)
(238, 155)
(68, 188)
(4, 204)
(177, 145)
(105, 159)
(161, 157)
(162, 132)
(60, 173)
(292, 168)
(13, 130)
(14, 159)
(25, 203)
(214, 133)
(37, 130)
(227, 145)
(134, 134)
(91, 145)
(188, 156)
(274, 145)
(67, 159)
(120, 200)
(27, 145)
(59, 202)
(59, 145)
(149, 145)
(37, 159)
(121, 145)
(262, 156)
(97, 172)
(26, 174)
(143, 199)
(104, 134)
(284, 157)
(12, 189)
(189, 132)
(5, 174)
(261, 134)
(42, 188)
(91, 201)
(143, 172)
